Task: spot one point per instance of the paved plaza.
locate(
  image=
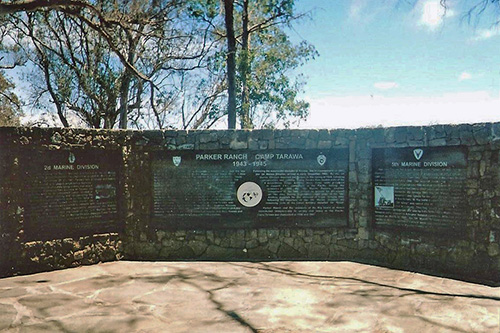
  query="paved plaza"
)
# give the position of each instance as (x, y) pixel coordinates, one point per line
(244, 297)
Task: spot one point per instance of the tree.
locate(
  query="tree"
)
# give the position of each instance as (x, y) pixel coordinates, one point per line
(10, 105)
(265, 92)
(84, 78)
(231, 63)
(160, 64)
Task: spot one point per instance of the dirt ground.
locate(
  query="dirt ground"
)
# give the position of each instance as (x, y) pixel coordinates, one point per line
(244, 297)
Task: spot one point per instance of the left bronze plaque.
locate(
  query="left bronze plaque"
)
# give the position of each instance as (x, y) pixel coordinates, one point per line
(70, 193)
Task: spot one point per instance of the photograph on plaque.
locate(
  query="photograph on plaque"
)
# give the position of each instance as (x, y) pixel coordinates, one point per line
(420, 188)
(70, 193)
(384, 196)
(105, 191)
(228, 188)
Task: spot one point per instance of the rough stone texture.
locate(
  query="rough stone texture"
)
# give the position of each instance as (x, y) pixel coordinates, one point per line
(473, 255)
(19, 255)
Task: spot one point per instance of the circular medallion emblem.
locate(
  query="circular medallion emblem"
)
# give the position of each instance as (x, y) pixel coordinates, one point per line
(249, 194)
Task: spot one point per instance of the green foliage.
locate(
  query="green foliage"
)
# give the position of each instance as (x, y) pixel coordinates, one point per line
(271, 87)
(271, 61)
(10, 105)
(160, 63)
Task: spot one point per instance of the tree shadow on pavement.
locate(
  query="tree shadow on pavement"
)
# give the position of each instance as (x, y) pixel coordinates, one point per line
(190, 277)
(409, 291)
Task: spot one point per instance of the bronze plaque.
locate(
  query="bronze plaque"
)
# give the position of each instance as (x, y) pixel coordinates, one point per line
(422, 188)
(70, 193)
(227, 188)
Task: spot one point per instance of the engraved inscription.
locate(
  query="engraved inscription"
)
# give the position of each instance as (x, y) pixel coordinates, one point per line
(72, 192)
(250, 186)
(420, 188)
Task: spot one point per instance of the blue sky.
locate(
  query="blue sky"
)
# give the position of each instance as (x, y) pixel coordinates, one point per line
(393, 63)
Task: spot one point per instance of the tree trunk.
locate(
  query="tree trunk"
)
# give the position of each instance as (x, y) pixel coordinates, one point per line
(124, 94)
(231, 64)
(246, 121)
(57, 102)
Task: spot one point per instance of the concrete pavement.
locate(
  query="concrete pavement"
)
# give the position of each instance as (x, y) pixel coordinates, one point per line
(244, 297)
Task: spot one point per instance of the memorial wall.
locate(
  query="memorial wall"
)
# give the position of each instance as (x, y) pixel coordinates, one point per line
(419, 198)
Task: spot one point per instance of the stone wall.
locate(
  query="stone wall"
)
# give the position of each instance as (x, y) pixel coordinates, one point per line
(470, 253)
(22, 249)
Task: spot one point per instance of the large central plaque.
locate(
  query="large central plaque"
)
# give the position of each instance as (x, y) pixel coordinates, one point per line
(230, 188)
(420, 188)
(70, 193)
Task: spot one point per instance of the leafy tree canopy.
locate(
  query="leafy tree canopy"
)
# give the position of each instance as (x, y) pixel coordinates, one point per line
(10, 105)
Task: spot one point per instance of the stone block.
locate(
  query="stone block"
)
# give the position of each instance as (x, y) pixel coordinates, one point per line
(209, 146)
(146, 250)
(342, 141)
(198, 247)
(285, 232)
(493, 250)
(481, 135)
(185, 252)
(453, 142)
(495, 131)
(217, 252)
(186, 146)
(165, 253)
(235, 144)
(415, 134)
(251, 244)
(316, 239)
(389, 135)
(298, 243)
(437, 142)
(237, 241)
(400, 135)
(288, 252)
(314, 134)
(171, 243)
(160, 235)
(466, 137)
(318, 251)
(208, 137)
(324, 135)
(288, 240)
(415, 143)
(273, 233)
(263, 144)
(262, 235)
(353, 177)
(265, 134)
(363, 233)
(311, 144)
(260, 253)
(78, 255)
(251, 234)
(273, 246)
(253, 144)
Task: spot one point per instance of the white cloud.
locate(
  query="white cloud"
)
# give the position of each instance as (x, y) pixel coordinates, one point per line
(386, 85)
(432, 13)
(366, 11)
(484, 34)
(356, 8)
(465, 76)
(363, 111)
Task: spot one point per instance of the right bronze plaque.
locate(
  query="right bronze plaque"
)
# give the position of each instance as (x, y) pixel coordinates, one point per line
(420, 188)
